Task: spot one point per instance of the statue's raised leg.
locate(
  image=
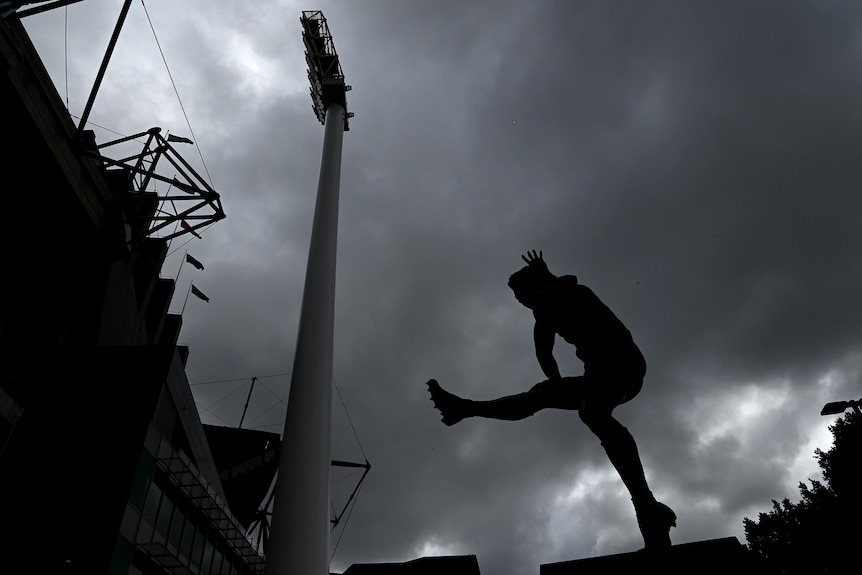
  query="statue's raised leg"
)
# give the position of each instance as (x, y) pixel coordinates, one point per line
(511, 407)
(451, 407)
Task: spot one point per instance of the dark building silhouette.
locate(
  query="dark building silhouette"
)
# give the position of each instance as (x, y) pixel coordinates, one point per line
(453, 565)
(105, 466)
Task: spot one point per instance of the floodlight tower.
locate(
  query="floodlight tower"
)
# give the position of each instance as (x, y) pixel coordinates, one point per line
(299, 538)
(836, 407)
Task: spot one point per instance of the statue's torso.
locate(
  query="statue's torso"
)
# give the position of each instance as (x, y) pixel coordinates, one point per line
(577, 315)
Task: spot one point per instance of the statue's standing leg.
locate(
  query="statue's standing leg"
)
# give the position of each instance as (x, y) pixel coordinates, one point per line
(654, 518)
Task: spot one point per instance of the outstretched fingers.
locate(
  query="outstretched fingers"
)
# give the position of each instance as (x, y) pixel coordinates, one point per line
(532, 257)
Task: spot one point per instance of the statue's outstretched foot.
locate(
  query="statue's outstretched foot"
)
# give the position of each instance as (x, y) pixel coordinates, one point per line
(655, 522)
(451, 407)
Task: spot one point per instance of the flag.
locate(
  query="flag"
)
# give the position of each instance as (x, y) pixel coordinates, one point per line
(200, 294)
(184, 187)
(179, 139)
(194, 262)
(185, 225)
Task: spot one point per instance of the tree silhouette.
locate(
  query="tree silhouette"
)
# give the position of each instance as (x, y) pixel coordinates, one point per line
(821, 533)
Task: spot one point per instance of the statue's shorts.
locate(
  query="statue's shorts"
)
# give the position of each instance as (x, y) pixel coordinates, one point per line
(612, 379)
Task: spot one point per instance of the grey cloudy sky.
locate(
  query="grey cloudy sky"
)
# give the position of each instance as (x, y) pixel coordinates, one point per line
(696, 164)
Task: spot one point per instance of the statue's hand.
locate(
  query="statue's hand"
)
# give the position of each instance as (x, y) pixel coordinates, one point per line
(532, 258)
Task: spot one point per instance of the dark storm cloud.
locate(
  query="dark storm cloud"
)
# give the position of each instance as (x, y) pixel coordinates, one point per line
(693, 156)
(695, 164)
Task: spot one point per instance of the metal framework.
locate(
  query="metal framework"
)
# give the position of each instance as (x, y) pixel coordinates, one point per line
(10, 7)
(198, 490)
(260, 527)
(324, 68)
(189, 200)
(145, 212)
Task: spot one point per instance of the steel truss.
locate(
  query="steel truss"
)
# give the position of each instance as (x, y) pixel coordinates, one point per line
(172, 208)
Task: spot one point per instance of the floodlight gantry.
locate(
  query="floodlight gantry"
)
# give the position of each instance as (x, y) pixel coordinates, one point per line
(836, 407)
(324, 68)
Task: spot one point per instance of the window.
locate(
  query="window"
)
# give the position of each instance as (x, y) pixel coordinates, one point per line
(199, 545)
(163, 523)
(177, 524)
(208, 556)
(151, 505)
(142, 478)
(188, 536)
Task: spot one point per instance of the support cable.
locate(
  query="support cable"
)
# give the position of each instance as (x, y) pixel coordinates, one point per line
(103, 127)
(188, 123)
(210, 406)
(227, 423)
(350, 421)
(347, 520)
(271, 407)
(239, 379)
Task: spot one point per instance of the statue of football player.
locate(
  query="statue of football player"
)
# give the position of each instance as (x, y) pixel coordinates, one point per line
(614, 369)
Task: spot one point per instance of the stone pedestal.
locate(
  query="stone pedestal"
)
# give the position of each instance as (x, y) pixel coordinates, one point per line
(725, 555)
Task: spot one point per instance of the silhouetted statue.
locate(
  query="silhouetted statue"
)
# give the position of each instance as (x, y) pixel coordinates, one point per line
(614, 369)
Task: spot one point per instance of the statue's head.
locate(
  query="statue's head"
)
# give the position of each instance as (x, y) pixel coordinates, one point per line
(531, 279)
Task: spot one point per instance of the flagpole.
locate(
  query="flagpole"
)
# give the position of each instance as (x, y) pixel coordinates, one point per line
(181, 266)
(299, 536)
(187, 299)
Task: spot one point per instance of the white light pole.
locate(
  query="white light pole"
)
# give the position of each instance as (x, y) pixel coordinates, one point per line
(299, 541)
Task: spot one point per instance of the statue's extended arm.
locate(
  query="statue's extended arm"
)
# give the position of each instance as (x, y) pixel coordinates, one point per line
(544, 340)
